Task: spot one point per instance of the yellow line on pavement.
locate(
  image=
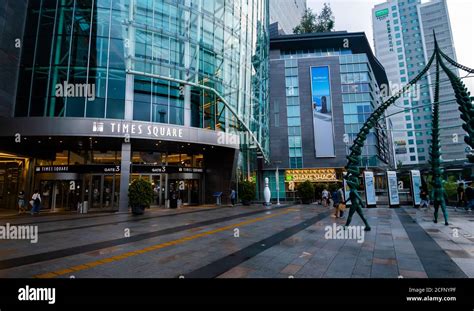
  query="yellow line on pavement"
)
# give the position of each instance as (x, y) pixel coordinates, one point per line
(92, 264)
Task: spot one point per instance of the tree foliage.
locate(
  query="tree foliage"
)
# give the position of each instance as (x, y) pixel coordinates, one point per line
(312, 22)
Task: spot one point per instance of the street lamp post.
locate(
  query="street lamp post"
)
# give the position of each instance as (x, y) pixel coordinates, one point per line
(277, 179)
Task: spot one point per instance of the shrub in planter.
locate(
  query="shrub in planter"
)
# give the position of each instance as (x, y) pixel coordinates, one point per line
(247, 192)
(140, 196)
(306, 192)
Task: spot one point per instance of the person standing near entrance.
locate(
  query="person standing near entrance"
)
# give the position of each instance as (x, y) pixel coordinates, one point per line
(233, 196)
(21, 203)
(325, 197)
(36, 199)
(460, 192)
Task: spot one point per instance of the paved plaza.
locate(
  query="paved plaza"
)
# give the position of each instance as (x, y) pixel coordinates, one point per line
(290, 241)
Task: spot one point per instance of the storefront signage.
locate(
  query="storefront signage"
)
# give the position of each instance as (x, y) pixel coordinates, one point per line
(415, 186)
(138, 129)
(369, 182)
(163, 169)
(313, 175)
(393, 196)
(80, 169)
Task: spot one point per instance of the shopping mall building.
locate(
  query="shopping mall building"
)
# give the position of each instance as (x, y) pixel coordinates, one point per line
(323, 87)
(101, 92)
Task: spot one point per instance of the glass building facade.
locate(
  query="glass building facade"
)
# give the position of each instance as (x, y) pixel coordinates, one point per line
(173, 77)
(189, 62)
(360, 97)
(303, 69)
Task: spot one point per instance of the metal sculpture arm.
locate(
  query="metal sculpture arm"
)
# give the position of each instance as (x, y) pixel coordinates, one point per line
(455, 64)
(435, 152)
(465, 104)
(353, 158)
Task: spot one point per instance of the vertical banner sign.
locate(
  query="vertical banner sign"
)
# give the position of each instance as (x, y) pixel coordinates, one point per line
(415, 186)
(322, 112)
(369, 188)
(347, 190)
(393, 197)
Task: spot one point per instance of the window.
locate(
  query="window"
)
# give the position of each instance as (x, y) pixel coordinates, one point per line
(294, 121)
(293, 111)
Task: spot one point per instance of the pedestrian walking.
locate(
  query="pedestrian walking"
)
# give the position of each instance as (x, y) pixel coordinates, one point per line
(21, 203)
(325, 197)
(339, 203)
(35, 202)
(233, 196)
(461, 199)
(425, 200)
(469, 193)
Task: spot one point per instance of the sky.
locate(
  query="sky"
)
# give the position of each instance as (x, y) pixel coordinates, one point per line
(356, 15)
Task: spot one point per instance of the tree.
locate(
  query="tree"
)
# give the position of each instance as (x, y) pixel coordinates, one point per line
(312, 22)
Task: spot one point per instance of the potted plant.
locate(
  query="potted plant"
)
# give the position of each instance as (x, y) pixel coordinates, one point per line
(306, 192)
(247, 192)
(140, 195)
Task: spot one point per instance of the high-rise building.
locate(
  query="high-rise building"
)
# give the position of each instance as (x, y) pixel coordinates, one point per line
(12, 22)
(434, 16)
(111, 91)
(403, 38)
(321, 93)
(285, 15)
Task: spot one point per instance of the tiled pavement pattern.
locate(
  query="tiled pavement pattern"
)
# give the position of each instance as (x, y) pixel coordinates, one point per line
(289, 243)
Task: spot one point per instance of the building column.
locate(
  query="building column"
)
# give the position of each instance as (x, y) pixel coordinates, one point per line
(125, 176)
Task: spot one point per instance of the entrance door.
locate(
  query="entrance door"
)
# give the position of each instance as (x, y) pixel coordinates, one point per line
(188, 190)
(96, 192)
(101, 191)
(60, 195)
(156, 182)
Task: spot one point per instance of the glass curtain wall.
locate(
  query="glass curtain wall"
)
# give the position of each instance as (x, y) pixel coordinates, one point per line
(188, 59)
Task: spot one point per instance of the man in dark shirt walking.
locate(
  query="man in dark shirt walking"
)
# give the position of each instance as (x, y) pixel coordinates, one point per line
(469, 197)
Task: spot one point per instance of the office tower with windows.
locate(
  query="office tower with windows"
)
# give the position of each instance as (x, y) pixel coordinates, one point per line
(403, 41)
(285, 15)
(321, 93)
(434, 16)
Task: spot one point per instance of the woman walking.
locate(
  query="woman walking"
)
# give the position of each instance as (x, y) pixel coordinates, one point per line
(36, 202)
(21, 203)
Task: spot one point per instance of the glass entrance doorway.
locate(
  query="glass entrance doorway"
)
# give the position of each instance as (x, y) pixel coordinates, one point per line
(187, 189)
(102, 191)
(60, 195)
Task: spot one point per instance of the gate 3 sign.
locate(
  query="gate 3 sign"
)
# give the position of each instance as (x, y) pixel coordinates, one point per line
(313, 175)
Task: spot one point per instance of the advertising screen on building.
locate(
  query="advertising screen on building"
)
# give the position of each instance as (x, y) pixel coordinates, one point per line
(369, 188)
(322, 112)
(393, 197)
